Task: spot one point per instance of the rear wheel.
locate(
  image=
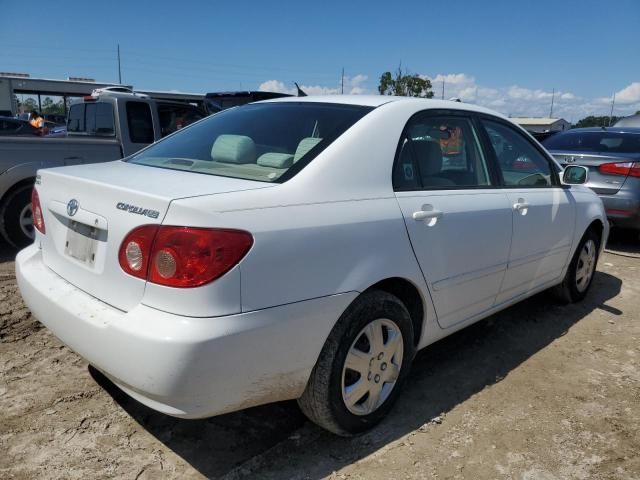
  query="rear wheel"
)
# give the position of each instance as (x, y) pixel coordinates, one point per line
(362, 365)
(581, 270)
(16, 218)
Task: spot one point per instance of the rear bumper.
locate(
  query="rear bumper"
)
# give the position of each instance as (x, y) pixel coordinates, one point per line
(623, 208)
(184, 366)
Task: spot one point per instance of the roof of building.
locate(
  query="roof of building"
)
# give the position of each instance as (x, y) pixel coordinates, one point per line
(536, 120)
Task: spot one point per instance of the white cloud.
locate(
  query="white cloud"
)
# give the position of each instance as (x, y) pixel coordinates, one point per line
(353, 86)
(513, 100)
(629, 94)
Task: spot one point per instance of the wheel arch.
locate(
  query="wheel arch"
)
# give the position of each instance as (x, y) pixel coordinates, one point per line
(409, 294)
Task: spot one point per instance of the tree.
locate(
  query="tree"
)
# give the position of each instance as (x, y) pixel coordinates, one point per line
(50, 107)
(599, 121)
(404, 84)
(30, 105)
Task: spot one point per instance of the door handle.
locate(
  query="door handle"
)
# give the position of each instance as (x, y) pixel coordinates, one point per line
(521, 206)
(427, 213)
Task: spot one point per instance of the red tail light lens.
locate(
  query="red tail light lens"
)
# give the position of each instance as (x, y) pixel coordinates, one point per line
(38, 219)
(182, 257)
(621, 168)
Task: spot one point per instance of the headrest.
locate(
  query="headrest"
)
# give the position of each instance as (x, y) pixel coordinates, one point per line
(233, 149)
(429, 156)
(276, 160)
(304, 146)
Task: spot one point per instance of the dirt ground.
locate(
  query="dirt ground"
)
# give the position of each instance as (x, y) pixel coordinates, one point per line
(538, 391)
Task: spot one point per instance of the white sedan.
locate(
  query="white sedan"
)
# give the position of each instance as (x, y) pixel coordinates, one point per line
(302, 248)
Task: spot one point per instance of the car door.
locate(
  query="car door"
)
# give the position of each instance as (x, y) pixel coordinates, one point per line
(458, 221)
(543, 210)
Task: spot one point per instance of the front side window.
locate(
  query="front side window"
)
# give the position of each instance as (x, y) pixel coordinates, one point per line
(521, 164)
(268, 142)
(174, 117)
(440, 152)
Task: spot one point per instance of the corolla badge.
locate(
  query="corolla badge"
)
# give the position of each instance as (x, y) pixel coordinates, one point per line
(72, 207)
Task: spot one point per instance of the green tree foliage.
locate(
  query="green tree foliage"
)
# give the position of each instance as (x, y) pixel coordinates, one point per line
(29, 105)
(593, 121)
(404, 84)
(49, 107)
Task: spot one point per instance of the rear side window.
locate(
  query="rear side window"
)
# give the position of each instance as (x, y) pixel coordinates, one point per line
(602, 142)
(440, 152)
(175, 117)
(139, 122)
(268, 142)
(521, 164)
(95, 119)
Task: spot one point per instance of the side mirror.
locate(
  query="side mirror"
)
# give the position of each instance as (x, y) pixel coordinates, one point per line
(575, 175)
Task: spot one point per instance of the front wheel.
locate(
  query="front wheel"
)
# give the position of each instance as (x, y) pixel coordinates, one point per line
(581, 270)
(362, 365)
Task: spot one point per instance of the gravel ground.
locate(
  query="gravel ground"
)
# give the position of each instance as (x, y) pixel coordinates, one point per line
(535, 392)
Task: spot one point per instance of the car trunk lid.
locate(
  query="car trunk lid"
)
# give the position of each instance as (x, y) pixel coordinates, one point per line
(88, 210)
(600, 182)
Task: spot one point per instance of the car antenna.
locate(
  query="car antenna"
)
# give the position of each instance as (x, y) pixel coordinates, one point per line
(300, 91)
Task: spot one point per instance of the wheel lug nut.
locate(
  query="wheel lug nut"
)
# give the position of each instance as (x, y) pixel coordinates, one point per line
(377, 378)
(383, 367)
(369, 376)
(380, 356)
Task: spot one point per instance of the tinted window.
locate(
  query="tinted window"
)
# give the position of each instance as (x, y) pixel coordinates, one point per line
(91, 119)
(140, 123)
(8, 126)
(595, 142)
(175, 117)
(440, 152)
(258, 142)
(75, 123)
(520, 162)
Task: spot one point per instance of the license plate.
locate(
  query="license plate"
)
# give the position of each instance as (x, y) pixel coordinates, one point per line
(81, 243)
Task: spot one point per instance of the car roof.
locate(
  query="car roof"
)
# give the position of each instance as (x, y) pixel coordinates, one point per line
(378, 100)
(603, 130)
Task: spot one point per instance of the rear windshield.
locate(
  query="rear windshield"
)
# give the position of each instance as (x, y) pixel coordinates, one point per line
(594, 142)
(91, 119)
(255, 142)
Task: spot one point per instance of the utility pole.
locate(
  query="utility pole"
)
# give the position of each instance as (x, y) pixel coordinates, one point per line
(342, 82)
(119, 70)
(553, 96)
(443, 89)
(613, 102)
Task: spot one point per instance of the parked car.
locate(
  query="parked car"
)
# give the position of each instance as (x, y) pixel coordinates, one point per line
(215, 102)
(302, 248)
(612, 156)
(542, 136)
(100, 128)
(10, 126)
(632, 121)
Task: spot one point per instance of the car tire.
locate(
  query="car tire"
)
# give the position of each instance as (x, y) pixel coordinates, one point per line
(581, 270)
(16, 223)
(325, 401)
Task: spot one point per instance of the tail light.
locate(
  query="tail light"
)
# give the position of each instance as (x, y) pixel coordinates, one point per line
(631, 169)
(182, 257)
(36, 209)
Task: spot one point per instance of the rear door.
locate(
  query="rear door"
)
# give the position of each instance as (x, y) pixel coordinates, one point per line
(458, 221)
(543, 210)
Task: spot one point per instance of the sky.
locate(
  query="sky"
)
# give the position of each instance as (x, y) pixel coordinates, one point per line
(507, 55)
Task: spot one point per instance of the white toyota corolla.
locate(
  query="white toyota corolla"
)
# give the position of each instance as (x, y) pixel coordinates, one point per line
(302, 248)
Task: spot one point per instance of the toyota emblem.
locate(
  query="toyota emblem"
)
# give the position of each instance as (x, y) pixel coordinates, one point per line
(72, 207)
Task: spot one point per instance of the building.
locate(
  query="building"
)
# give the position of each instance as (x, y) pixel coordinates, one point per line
(13, 86)
(542, 124)
(632, 121)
